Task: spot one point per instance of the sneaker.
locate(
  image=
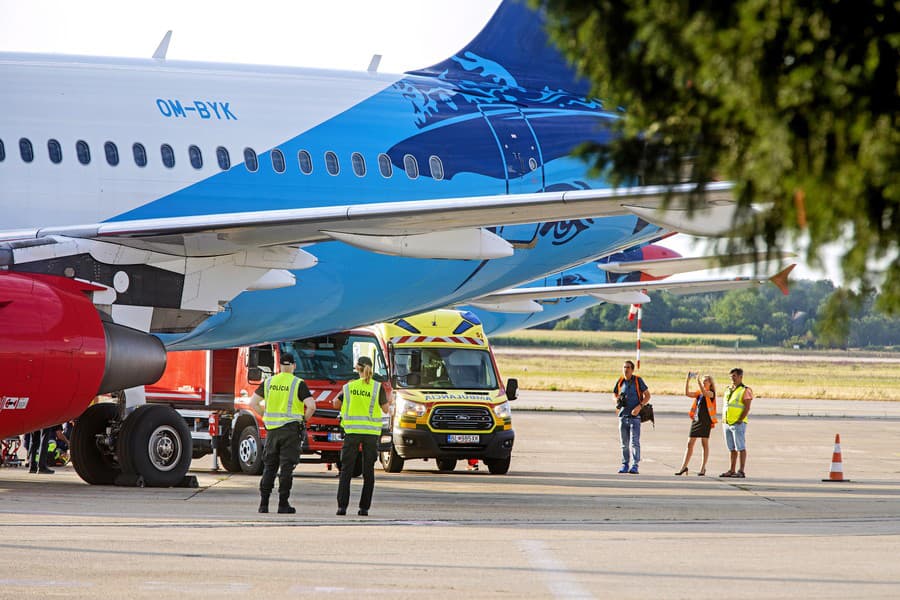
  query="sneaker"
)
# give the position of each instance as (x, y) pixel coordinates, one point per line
(624, 469)
(46, 471)
(633, 470)
(473, 467)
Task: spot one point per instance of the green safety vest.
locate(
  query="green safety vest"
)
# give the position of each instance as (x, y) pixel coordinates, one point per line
(282, 404)
(360, 411)
(734, 404)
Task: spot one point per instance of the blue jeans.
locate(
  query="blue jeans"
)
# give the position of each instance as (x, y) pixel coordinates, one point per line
(630, 435)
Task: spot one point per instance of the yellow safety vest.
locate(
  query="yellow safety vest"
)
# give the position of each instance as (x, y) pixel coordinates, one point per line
(360, 411)
(282, 404)
(734, 404)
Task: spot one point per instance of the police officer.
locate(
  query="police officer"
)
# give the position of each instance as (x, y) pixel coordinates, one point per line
(283, 417)
(361, 404)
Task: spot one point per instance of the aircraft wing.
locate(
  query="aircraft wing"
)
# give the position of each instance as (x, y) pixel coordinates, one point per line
(622, 293)
(186, 268)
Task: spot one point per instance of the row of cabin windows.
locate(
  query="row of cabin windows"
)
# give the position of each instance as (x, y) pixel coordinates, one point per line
(223, 158)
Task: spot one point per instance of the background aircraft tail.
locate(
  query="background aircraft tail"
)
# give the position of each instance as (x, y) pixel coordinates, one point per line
(514, 50)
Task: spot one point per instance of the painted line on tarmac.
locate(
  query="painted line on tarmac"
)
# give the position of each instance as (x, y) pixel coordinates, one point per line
(557, 577)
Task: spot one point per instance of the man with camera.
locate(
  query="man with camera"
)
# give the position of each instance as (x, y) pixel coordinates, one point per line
(631, 394)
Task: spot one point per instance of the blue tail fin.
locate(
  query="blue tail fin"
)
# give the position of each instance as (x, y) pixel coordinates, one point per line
(513, 44)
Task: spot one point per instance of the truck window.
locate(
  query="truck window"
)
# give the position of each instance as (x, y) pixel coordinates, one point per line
(444, 368)
(332, 357)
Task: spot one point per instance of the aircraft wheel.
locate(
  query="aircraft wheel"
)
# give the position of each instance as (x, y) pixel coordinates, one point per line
(155, 443)
(446, 464)
(391, 462)
(92, 464)
(498, 466)
(250, 451)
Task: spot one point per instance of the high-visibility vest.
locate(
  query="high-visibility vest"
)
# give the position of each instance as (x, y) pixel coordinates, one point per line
(282, 404)
(710, 407)
(360, 411)
(734, 404)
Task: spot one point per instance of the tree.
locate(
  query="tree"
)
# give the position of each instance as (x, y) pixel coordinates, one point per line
(795, 101)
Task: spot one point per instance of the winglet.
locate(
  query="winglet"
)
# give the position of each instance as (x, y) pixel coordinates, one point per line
(781, 279)
(163, 47)
(373, 64)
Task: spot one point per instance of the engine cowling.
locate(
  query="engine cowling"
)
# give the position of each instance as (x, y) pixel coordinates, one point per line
(56, 354)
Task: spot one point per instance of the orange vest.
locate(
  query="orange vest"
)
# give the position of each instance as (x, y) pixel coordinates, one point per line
(710, 407)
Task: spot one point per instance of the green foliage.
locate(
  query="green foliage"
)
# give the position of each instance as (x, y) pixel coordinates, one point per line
(795, 101)
(813, 314)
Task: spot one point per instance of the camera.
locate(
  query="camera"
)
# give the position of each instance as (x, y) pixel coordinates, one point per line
(622, 400)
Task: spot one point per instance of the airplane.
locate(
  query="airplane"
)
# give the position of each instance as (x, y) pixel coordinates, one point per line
(624, 278)
(208, 205)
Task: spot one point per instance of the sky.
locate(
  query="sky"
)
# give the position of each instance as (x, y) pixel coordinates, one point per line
(338, 34)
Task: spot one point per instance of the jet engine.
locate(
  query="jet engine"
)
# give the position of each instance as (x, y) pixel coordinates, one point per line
(57, 354)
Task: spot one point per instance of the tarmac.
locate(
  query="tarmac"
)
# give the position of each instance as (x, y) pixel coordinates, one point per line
(561, 524)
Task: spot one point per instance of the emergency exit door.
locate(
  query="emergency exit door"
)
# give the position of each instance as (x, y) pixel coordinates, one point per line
(519, 148)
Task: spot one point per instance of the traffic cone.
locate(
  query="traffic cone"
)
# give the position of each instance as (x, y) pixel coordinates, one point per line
(837, 467)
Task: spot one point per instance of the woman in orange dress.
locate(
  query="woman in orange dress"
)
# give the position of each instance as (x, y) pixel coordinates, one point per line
(703, 418)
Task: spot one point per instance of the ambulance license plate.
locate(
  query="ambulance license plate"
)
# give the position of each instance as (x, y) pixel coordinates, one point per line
(463, 439)
(335, 437)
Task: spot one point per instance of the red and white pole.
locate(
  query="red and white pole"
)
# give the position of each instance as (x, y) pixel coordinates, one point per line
(640, 314)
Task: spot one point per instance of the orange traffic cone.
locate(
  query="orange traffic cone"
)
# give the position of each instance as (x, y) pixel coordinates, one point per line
(837, 467)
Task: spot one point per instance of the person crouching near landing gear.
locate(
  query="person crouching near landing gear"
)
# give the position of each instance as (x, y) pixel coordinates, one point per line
(362, 403)
(283, 417)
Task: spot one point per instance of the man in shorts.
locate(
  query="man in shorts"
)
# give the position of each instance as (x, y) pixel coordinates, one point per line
(737, 406)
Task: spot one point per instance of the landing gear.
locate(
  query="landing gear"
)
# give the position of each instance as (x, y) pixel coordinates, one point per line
(93, 444)
(155, 445)
(151, 447)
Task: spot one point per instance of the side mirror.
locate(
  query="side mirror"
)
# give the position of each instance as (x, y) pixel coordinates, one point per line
(512, 389)
(254, 374)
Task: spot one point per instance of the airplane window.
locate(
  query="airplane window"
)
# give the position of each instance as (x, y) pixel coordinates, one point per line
(2, 151)
(250, 160)
(83, 151)
(437, 167)
(411, 166)
(140, 154)
(168, 155)
(385, 166)
(278, 160)
(196, 157)
(26, 150)
(305, 161)
(332, 165)
(55, 151)
(112, 153)
(532, 164)
(223, 157)
(359, 164)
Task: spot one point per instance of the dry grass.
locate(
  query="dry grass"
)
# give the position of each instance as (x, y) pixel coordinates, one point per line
(775, 377)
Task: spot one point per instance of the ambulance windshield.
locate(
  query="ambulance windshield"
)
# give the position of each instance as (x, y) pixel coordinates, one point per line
(444, 368)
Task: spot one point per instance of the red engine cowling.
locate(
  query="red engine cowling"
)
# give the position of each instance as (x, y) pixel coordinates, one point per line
(56, 354)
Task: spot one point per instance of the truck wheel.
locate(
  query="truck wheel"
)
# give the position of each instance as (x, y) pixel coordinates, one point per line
(93, 465)
(155, 443)
(498, 466)
(227, 459)
(391, 462)
(446, 464)
(250, 451)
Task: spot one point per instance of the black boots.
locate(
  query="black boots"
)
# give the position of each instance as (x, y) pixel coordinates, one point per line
(264, 504)
(285, 508)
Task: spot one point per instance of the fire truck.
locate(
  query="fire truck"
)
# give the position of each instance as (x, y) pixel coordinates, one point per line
(448, 401)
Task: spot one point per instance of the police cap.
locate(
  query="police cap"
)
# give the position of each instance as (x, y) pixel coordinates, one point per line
(287, 359)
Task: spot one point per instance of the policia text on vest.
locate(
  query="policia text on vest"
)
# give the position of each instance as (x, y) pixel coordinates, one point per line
(287, 401)
(362, 404)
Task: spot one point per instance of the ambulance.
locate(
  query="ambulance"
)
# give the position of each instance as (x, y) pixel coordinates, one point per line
(449, 402)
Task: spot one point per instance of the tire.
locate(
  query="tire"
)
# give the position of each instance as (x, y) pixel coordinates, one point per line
(446, 464)
(391, 462)
(227, 459)
(155, 443)
(498, 466)
(93, 465)
(249, 451)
